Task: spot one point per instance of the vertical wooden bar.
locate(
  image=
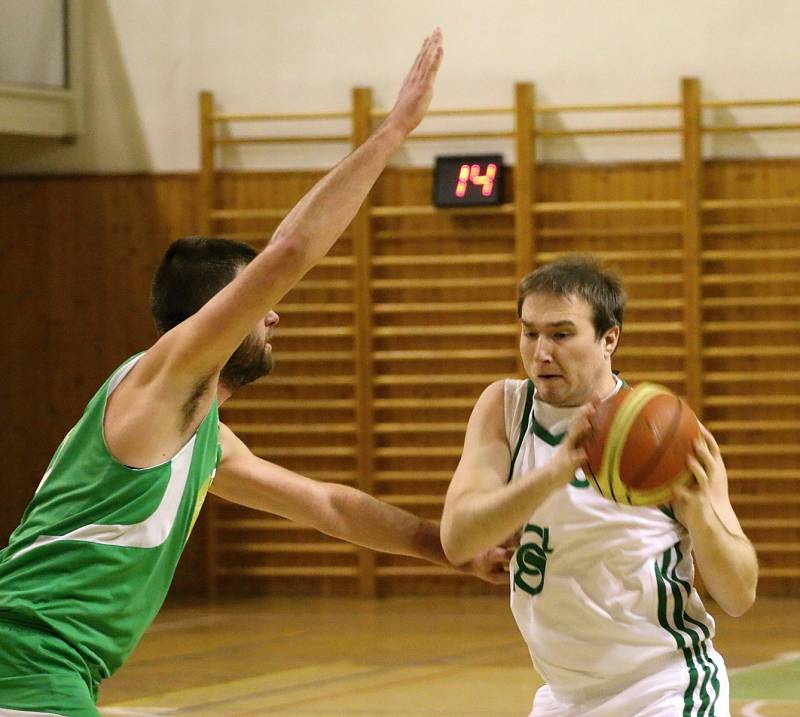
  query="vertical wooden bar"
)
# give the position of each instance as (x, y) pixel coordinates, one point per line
(362, 251)
(524, 175)
(206, 189)
(691, 187)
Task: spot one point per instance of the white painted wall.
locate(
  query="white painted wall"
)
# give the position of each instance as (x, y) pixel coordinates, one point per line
(146, 60)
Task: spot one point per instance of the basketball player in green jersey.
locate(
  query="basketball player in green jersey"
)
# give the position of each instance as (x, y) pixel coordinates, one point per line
(601, 592)
(89, 566)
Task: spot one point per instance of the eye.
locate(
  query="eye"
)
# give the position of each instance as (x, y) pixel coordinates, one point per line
(560, 335)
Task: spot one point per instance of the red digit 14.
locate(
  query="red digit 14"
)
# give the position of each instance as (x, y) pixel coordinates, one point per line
(472, 174)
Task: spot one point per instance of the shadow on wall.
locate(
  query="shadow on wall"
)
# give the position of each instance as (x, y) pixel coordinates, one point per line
(112, 138)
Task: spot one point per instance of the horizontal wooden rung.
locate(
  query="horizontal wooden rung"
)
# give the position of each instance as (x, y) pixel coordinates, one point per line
(306, 331)
(412, 210)
(291, 428)
(773, 425)
(287, 139)
(632, 232)
(765, 498)
(423, 404)
(761, 399)
(315, 356)
(748, 254)
(746, 279)
(761, 449)
(457, 307)
(412, 571)
(749, 377)
(727, 327)
(742, 351)
(763, 474)
(467, 282)
(310, 571)
(750, 103)
(747, 228)
(472, 330)
(770, 523)
(604, 131)
(764, 572)
(442, 259)
(618, 107)
(643, 304)
(459, 232)
(269, 404)
(444, 355)
(412, 476)
(280, 116)
(305, 381)
(721, 129)
(735, 301)
(221, 214)
(626, 255)
(310, 308)
(421, 427)
(608, 206)
(750, 203)
(466, 379)
(418, 451)
(770, 547)
(647, 351)
(270, 452)
(656, 376)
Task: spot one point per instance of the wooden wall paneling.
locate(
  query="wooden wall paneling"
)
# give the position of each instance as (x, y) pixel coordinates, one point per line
(750, 274)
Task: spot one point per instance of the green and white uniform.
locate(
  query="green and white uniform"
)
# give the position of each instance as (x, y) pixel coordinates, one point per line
(90, 565)
(602, 593)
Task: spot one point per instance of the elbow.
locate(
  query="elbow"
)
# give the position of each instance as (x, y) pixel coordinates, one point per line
(453, 546)
(738, 604)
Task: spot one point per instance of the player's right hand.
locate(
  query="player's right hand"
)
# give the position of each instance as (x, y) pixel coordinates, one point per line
(415, 95)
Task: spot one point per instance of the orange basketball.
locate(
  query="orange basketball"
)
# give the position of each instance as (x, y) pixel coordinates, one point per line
(639, 444)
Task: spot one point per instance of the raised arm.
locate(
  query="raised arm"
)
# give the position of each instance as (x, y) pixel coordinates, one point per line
(482, 508)
(208, 339)
(336, 510)
(725, 557)
(159, 404)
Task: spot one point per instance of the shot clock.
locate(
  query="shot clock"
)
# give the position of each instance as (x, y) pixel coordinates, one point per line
(468, 180)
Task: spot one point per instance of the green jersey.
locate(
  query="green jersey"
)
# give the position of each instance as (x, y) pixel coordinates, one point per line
(98, 545)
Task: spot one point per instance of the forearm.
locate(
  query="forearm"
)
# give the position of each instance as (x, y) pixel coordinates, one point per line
(361, 519)
(727, 563)
(476, 521)
(326, 210)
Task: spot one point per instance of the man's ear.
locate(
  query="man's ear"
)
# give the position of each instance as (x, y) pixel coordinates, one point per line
(610, 341)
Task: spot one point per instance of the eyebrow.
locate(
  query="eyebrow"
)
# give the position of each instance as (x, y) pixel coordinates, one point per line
(551, 325)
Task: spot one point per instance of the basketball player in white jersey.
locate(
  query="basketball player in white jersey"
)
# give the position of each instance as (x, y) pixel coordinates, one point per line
(602, 592)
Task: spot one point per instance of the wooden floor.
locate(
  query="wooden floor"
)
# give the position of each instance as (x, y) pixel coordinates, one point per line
(431, 657)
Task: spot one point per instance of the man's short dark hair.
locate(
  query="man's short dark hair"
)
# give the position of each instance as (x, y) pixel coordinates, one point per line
(580, 275)
(192, 271)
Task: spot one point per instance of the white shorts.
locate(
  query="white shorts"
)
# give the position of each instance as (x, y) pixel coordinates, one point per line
(664, 694)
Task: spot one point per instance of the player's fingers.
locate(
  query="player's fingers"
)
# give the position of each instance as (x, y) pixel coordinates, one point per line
(698, 471)
(703, 452)
(710, 440)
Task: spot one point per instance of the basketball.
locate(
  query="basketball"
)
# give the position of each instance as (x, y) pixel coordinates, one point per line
(639, 443)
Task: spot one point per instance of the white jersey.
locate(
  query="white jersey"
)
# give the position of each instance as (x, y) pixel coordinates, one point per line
(602, 592)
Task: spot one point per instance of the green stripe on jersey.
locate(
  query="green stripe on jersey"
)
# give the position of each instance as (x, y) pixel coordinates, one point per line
(700, 667)
(98, 545)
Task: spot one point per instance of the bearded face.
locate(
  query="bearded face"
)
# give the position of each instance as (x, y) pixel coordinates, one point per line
(251, 360)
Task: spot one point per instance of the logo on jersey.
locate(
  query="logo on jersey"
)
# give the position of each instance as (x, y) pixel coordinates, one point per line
(531, 559)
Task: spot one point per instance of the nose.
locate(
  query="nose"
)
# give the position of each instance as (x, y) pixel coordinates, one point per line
(271, 319)
(542, 351)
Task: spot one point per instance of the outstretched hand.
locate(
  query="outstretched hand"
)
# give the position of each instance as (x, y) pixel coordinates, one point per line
(415, 94)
